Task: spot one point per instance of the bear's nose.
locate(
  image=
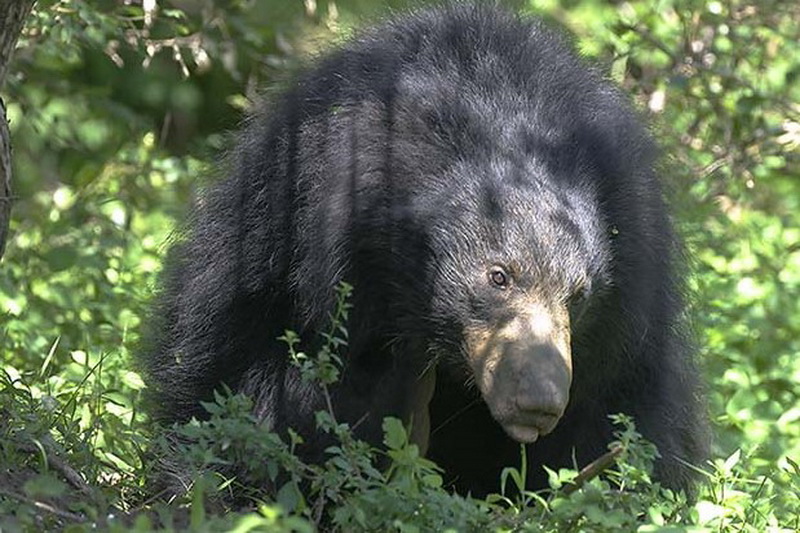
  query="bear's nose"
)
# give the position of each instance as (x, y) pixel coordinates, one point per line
(543, 380)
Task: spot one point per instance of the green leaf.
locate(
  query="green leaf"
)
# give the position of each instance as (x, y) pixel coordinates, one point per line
(394, 433)
(288, 496)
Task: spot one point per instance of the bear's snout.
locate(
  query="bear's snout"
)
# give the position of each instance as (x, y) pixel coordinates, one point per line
(524, 370)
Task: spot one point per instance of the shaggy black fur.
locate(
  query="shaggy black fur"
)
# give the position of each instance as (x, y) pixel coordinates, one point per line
(407, 162)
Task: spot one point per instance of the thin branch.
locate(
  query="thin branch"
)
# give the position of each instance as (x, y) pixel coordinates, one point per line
(74, 517)
(593, 469)
(70, 474)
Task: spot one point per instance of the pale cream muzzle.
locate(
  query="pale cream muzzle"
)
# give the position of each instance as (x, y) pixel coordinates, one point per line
(523, 369)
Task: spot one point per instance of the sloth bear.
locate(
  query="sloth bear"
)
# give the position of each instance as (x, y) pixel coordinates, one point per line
(494, 204)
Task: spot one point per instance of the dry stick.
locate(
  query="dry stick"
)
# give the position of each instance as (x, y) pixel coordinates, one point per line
(70, 474)
(43, 506)
(593, 469)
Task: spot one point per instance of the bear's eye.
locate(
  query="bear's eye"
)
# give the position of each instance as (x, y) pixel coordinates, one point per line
(498, 277)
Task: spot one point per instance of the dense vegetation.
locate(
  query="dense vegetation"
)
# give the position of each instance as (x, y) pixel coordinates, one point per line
(118, 113)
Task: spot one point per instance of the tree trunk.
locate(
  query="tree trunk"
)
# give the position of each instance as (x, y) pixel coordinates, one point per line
(12, 17)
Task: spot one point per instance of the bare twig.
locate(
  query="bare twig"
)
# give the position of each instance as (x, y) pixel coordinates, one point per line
(70, 474)
(593, 469)
(43, 506)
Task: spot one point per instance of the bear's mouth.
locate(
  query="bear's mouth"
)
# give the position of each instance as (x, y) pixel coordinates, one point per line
(528, 427)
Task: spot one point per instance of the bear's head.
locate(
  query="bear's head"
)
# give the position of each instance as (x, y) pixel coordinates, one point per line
(517, 252)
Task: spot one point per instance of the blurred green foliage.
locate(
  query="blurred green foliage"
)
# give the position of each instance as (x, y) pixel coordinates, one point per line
(117, 114)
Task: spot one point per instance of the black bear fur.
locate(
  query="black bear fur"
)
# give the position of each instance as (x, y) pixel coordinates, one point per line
(406, 162)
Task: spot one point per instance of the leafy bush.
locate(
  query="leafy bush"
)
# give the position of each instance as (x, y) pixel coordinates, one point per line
(108, 152)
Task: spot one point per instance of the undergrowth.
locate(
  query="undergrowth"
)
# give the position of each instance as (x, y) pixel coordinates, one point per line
(242, 477)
